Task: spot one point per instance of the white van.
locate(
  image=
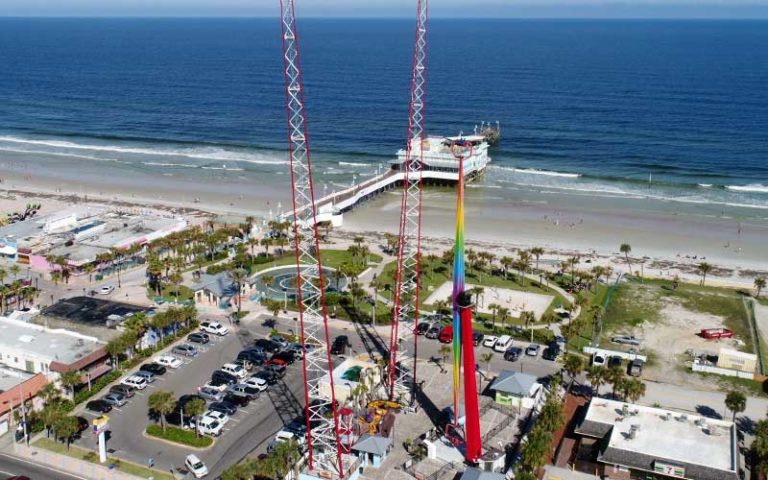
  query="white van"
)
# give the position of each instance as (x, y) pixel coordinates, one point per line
(503, 343)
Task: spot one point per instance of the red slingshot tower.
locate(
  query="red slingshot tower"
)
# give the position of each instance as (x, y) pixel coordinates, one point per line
(323, 443)
(405, 314)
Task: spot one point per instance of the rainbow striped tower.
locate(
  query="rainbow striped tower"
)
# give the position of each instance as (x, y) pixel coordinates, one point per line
(463, 348)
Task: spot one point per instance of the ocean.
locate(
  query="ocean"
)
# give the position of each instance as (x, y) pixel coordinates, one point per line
(672, 110)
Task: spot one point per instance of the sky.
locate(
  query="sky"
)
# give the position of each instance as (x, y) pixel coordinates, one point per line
(395, 8)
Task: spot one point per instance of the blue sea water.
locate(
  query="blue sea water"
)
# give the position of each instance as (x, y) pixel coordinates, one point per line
(585, 106)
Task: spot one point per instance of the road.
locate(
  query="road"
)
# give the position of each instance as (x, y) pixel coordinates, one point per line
(12, 466)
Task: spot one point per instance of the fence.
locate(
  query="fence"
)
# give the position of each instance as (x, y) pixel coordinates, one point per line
(697, 367)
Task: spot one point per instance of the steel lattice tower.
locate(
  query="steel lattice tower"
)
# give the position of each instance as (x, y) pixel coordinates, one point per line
(323, 442)
(406, 295)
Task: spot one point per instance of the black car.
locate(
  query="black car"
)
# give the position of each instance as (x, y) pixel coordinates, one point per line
(175, 418)
(239, 400)
(477, 338)
(340, 344)
(267, 344)
(422, 328)
(220, 376)
(153, 368)
(277, 370)
(99, 406)
(223, 407)
(198, 337)
(286, 356)
(124, 390)
(551, 353)
(614, 361)
(267, 376)
(513, 354)
(256, 358)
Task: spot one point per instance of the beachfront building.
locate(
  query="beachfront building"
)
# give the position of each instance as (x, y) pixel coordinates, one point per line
(517, 389)
(81, 232)
(624, 441)
(441, 164)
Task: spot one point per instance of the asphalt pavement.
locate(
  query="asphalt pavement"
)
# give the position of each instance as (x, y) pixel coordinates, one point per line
(12, 466)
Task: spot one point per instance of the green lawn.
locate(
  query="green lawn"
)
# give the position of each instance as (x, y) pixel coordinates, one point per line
(93, 457)
(169, 293)
(330, 258)
(178, 435)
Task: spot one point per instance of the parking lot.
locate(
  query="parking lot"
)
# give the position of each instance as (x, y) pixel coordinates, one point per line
(252, 427)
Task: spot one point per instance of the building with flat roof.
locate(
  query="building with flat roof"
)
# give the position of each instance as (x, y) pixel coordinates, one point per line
(631, 441)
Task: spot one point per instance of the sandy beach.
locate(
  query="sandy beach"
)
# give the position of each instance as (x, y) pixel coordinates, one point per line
(666, 239)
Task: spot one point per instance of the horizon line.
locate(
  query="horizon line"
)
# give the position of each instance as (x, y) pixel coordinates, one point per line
(388, 17)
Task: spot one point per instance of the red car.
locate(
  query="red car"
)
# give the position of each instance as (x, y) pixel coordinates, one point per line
(715, 333)
(277, 361)
(446, 334)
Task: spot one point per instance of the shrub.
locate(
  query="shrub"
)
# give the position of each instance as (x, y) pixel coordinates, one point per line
(177, 435)
(97, 386)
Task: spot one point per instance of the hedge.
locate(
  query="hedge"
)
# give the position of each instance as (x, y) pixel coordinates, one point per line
(178, 435)
(97, 386)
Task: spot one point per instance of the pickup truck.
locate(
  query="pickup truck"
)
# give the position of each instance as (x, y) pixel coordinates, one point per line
(715, 333)
(626, 340)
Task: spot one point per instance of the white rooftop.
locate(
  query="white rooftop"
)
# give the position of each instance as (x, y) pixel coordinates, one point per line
(11, 377)
(666, 434)
(57, 345)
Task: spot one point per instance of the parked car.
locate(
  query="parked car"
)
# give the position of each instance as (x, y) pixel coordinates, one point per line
(280, 341)
(139, 383)
(148, 376)
(635, 367)
(297, 350)
(267, 345)
(195, 466)
(234, 370)
(198, 337)
(513, 354)
(153, 368)
(477, 338)
(253, 356)
(626, 340)
(503, 343)
(244, 364)
(286, 356)
(278, 370)
(533, 349)
(214, 328)
(490, 341)
(615, 361)
(220, 376)
(268, 376)
(210, 394)
(275, 360)
(169, 361)
(422, 328)
(258, 383)
(185, 349)
(598, 359)
(239, 400)
(446, 334)
(340, 345)
(115, 399)
(100, 406)
(223, 407)
(243, 390)
(551, 352)
(209, 426)
(715, 333)
(284, 437)
(220, 417)
(185, 399)
(106, 290)
(434, 331)
(124, 390)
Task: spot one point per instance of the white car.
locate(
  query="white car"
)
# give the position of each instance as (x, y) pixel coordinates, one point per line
(219, 388)
(139, 383)
(284, 436)
(169, 361)
(209, 426)
(235, 370)
(195, 466)
(490, 341)
(222, 418)
(106, 290)
(214, 328)
(256, 382)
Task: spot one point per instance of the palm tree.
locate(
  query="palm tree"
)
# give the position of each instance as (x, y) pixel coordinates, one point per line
(634, 389)
(69, 380)
(759, 285)
(573, 365)
(704, 268)
(163, 403)
(626, 249)
(736, 402)
(615, 376)
(597, 375)
(66, 427)
(238, 276)
(537, 252)
(494, 308)
(486, 358)
(536, 449)
(503, 313)
(477, 291)
(195, 408)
